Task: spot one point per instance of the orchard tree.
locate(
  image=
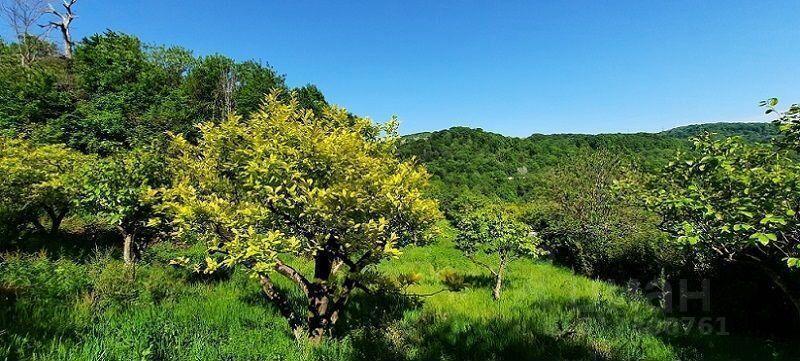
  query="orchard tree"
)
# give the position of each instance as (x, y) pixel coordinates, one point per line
(493, 239)
(121, 190)
(290, 185)
(39, 180)
(733, 201)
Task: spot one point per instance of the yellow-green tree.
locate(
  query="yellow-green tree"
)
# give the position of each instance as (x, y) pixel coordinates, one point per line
(39, 181)
(290, 184)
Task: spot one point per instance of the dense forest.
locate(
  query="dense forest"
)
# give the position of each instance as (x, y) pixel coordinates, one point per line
(157, 205)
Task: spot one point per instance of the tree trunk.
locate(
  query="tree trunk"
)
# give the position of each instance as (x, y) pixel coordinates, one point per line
(67, 42)
(282, 303)
(323, 302)
(56, 216)
(320, 297)
(55, 221)
(498, 285)
(128, 251)
(319, 320)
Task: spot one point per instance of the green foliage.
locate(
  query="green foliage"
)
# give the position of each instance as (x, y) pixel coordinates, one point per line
(39, 181)
(310, 97)
(118, 93)
(588, 224)
(121, 189)
(291, 181)
(498, 236)
(469, 165)
(32, 95)
(732, 200)
(751, 132)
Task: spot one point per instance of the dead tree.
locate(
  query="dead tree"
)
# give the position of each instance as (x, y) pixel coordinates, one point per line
(21, 16)
(63, 24)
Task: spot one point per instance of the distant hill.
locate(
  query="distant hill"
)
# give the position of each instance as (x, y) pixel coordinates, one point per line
(754, 132)
(462, 159)
(751, 131)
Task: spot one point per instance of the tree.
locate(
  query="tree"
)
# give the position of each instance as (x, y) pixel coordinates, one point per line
(586, 223)
(22, 16)
(63, 24)
(731, 201)
(121, 190)
(288, 183)
(310, 97)
(39, 180)
(496, 236)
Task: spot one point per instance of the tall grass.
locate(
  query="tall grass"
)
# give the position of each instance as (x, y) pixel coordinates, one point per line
(98, 309)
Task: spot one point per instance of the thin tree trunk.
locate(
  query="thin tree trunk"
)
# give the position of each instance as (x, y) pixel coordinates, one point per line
(56, 217)
(55, 224)
(128, 251)
(498, 285)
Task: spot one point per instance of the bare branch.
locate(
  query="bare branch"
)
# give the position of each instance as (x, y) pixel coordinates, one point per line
(63, 24)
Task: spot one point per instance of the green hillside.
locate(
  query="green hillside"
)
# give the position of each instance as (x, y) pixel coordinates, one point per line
(755, 132)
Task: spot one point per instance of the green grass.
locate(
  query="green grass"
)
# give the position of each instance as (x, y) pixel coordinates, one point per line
(56, 309)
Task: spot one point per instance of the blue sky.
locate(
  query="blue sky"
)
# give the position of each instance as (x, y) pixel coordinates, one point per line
(513, 67)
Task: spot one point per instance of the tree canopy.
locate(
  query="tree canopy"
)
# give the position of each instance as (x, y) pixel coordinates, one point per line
(289, 181)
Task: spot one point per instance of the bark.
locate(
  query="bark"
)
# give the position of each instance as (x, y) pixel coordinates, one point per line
(320, 297)
(128, 247)
(63, 25)
(324, 305)
(498, 281)
(56, 217)
(281, 302)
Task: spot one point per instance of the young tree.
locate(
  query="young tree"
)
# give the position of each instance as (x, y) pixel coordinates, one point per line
(492, 240)
(39, 180)
(732, 201)
(287, 184)
(121, 189)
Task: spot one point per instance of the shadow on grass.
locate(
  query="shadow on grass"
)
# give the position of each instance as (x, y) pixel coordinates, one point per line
(79, 245)
(517, 335)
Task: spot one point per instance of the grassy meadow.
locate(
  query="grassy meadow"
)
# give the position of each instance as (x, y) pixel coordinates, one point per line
(74, 303)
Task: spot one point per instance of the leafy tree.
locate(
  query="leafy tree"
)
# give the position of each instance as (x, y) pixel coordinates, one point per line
(310, 97)
(289, 183)
(39, 181)
(587, 224)
(121, 190)
(788, 123)
(253, 81)
(732, 201)
(32, 95)
(498, 237)
(130, 94)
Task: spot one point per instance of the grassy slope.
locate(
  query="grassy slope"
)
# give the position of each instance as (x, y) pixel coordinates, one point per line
(546, 313)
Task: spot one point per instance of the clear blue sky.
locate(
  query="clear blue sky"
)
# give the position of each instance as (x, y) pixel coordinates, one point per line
(514, 67)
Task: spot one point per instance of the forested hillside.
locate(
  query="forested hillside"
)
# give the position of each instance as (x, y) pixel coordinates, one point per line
(476, 162)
